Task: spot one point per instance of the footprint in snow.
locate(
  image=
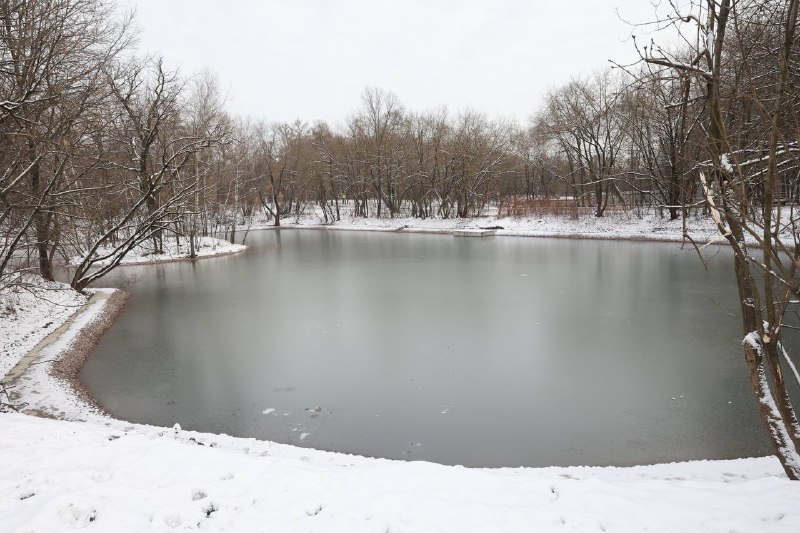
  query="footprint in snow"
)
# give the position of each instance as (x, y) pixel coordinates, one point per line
(315, 511)
(172, 520)
(210, 509)
(76, 516)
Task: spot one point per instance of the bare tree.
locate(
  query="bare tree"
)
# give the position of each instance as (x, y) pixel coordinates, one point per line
(743, 51)
(584, 117)
(153, 147)
(51, 59)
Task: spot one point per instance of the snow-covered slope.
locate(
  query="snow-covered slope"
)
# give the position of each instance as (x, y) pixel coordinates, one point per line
(59, 476)
(31, 311)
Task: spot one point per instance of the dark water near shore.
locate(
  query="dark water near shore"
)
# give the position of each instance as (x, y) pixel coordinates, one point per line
(484, 352)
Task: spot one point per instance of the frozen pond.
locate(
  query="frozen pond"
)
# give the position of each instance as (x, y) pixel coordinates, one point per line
(498, 351)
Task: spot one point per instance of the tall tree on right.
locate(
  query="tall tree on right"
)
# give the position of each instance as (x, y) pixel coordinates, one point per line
(744, 53)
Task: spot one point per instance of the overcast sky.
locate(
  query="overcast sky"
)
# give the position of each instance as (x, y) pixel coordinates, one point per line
(311, 59)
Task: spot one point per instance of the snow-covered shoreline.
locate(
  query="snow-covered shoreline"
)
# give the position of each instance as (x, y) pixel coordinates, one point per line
(144, 254)
(40, 365)
(30, 312)
(106, 474)
(614, 226)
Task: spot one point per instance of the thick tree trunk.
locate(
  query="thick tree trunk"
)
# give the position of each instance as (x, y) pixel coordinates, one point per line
(40, 222)
(277, 212)
(42, 250)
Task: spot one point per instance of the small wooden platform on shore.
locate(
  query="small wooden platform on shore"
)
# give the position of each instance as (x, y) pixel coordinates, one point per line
(473, 232)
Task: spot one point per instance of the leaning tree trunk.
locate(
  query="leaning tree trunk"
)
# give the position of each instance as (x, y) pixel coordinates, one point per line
(761, 339)
(779, 433)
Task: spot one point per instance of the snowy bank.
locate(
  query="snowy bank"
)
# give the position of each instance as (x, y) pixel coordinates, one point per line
(31, 311)
(50, 330)
(173, 251)
(63, 475)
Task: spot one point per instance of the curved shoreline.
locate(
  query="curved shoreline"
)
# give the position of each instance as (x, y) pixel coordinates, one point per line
(183, 259)
(174, 259)
(68, 365)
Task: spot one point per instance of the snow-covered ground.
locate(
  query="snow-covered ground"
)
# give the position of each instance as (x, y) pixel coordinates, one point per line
(107, 475)
(31, 311)
(173, 251)
(31, 321)
(59, 476)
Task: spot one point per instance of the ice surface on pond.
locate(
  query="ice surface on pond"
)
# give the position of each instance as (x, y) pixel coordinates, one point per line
(587, 350)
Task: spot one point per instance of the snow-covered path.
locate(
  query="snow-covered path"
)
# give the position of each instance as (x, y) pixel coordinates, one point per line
(58, 475)
(29, 314)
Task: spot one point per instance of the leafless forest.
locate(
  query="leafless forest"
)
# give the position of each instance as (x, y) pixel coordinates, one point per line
(103, 149)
